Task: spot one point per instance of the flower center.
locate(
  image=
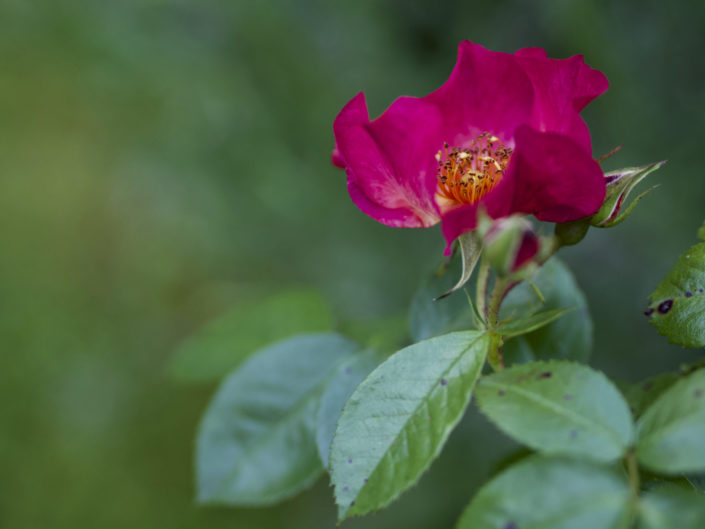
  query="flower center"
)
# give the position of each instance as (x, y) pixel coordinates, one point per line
(465, 175)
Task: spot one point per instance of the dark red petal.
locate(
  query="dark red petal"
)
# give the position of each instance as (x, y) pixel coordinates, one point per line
(458, 221)
(528, 248)
(537, 53)
(336, 159)
(550, 176)
(487, 91)
(562, 88)
(389, 162)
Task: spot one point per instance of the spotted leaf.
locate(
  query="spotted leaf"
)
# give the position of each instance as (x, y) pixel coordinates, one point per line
(677, 306)
(558, 408)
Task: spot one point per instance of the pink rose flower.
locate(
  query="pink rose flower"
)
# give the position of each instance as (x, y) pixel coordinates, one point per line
(504, 133)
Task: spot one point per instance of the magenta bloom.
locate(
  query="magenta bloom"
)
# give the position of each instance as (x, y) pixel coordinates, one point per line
(504, 132)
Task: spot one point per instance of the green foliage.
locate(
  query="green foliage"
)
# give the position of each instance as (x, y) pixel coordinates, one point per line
(642, 394)
(222, 344)
(671, 432)
(570, 337)
(698, 482)
(341, 385)
(430, 316)
(678, 303)
(558, 408)
(399, 417)
(530, 323)
(701, 232)
(671, 507)
(386, 334)
(551, 493)
(257, 441)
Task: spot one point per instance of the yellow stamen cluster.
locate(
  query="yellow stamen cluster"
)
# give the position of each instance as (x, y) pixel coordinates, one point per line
(465, 175)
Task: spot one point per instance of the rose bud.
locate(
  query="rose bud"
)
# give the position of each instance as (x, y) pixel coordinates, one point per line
(619, 184)
(510, 244)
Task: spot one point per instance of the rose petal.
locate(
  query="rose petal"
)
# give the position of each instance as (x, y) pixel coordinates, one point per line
(528, 248)
(550, 176)
(537, 53)
(336, 158)
(487, 91)
(396, 218)
(562, 88)
(391, 160)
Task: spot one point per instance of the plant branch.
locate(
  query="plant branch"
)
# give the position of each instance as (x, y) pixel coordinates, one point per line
(633, 470)
(483, 281)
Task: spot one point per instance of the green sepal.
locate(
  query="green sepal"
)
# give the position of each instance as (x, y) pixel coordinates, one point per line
(572, 232)
(619, 184)
(470, 249)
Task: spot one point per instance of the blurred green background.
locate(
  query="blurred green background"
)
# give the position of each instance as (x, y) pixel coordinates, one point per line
(161, 161)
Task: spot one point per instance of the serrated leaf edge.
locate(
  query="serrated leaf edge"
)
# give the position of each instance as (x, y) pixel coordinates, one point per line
(344, 509)
(551, 405)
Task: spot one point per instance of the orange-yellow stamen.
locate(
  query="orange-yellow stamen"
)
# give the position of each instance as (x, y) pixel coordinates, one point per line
(465, 175)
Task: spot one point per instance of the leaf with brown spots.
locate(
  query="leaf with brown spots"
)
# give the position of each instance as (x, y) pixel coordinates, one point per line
(677, 306)
(558, 408)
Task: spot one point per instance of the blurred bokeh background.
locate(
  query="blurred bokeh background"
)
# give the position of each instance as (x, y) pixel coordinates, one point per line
(162, 161)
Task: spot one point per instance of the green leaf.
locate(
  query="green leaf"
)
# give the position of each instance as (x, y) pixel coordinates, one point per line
(221, 345)
(386, 334)
(569, 337)
(551, 493)
(698, 482)
(470, 249)
(671, 507)
(430, 316)
(640, 396)
(530, 323)
(677, 306)
(671, 432)
(256, 443)
(340, 387)
(398, 419)
(701, 232)
(558, 408)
